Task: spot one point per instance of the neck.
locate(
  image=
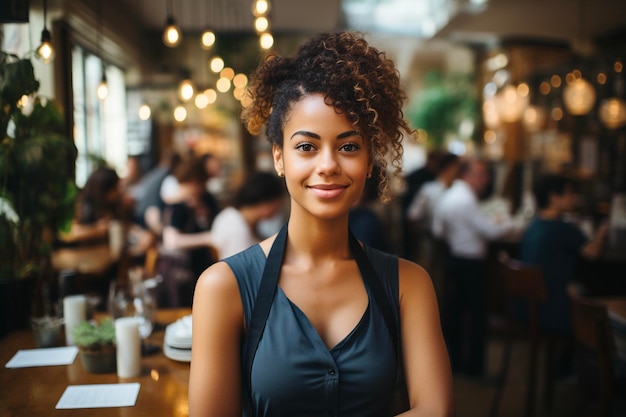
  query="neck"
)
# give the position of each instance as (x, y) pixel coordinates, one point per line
(317, 239)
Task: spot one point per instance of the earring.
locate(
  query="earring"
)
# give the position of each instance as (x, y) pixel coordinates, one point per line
(281, 174)
(369, 175)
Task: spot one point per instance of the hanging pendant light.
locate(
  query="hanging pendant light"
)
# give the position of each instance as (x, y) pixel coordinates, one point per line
(579, 97)
(103, 88)
(207, 40)
(171, 35)
(45, 51)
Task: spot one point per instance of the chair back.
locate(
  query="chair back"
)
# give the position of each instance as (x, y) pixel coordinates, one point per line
(592, 330)
(525, 282)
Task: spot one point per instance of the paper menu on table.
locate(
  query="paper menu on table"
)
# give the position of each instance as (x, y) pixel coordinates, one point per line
(43, 357)
(99, 396)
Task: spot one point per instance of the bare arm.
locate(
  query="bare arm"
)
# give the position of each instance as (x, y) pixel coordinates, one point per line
(214, 379)
(174, 239)
(85, 232)
(593, 248)
(426, 363)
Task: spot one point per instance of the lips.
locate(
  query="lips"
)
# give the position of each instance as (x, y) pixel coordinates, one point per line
(327, 191)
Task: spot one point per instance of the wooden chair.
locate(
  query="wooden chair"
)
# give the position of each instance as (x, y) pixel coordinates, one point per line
(594, 336)
(522, 283)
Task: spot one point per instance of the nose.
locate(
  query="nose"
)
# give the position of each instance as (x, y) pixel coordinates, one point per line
(328, 163)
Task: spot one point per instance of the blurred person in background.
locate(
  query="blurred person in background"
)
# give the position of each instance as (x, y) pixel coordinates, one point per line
(461, 223)
(556, 245)
(259, 197)
(186, 243)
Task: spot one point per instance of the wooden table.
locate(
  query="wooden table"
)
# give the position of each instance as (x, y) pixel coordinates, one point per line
(85, 259)
(35, 391)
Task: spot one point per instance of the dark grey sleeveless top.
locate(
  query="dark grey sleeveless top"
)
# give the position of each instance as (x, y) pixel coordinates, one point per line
(295, 374)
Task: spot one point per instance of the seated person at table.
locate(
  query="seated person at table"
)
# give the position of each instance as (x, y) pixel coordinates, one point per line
(555, 246)
(186, 245)
(100, 201)
(260, 197)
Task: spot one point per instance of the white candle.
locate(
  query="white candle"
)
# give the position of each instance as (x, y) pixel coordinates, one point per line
(128, 347)
(74, 312)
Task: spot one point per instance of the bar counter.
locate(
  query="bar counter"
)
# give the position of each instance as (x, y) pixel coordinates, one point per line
(35, 391)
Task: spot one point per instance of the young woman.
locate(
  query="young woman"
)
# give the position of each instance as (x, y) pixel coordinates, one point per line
(310, 322)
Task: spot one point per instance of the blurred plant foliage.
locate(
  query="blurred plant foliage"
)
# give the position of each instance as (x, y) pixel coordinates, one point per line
(37, 189)
(442, 104)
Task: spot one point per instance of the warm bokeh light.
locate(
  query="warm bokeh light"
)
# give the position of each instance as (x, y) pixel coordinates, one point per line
(171, 34)
(579, 97)
(266, 40)
(154, 374)
(201, 101)
(523, 90)
(510, 104)
(103, 89)
(618, 66)
(216, 64)
(490, 114)
(208, 39)
(238, 93)
(570, 78)
(612, 113)
(240, 80)
(577, 74)
(46, 52)
(211, 95)
(227, 73)
(601, 78)
(260, 7)
(261, 24)
(186, 90)
(556, 113)
(144, 112)
(490, 136)
(222, 85)
(544, 88)
(180, 113)
(555, 81)
(534, 118)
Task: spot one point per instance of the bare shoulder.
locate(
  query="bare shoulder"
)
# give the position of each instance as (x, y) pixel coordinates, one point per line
(266, 245)
(217, 278)
(415, 284)
(411, 274)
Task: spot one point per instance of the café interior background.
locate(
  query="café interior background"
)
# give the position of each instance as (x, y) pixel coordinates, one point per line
(532, 85)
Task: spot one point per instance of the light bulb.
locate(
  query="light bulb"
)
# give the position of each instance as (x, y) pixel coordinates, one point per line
(217, 64)
(103, 89)
(240, 80)
(266, 40)
(222, 85)
(208, 39)
(180, 113)
(260, 7)
(45, 51)
(211, 95)
(186, 90)
(201, 101)
(144, 112)
(261, 24)
(171, 34)
(579, 97)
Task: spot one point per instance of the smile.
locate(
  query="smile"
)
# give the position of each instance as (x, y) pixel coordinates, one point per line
(327, 191)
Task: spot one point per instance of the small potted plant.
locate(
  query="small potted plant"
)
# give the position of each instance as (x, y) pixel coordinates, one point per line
(96, 344)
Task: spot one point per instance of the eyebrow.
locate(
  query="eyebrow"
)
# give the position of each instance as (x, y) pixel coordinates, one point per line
(316, 136)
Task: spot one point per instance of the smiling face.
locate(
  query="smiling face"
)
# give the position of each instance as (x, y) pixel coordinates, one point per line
(324, 159)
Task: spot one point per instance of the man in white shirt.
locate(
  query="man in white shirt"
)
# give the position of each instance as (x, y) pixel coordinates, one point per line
(459, 221)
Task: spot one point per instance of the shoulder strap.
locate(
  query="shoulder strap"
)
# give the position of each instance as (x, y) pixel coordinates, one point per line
(378, 291)
(263, 302)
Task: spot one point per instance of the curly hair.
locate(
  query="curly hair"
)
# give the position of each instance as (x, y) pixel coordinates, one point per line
(355, 78)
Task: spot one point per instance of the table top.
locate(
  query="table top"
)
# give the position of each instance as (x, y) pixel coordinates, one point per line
(35, 391)
(91, 259)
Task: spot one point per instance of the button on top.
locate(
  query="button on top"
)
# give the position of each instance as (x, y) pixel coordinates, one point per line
(331, 372)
